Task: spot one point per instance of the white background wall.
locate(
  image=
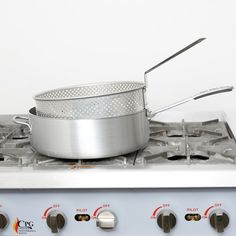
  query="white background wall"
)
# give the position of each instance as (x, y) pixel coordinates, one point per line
(46, 44)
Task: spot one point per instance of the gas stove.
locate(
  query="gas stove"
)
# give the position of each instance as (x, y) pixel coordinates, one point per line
(182, 183)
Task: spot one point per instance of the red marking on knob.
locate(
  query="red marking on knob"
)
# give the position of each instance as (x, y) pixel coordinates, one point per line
(155, 211)
(96, 211)
(46, 211)
(207, 210)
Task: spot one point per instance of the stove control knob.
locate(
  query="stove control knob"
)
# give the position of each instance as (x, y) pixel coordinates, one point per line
(166, 220)
(3, 220)
(106, 220)
(219, 220)
(56, 220)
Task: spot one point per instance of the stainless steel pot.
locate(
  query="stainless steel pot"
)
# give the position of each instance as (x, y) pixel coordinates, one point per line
(108, 120)
(87, 138)
(95, 138)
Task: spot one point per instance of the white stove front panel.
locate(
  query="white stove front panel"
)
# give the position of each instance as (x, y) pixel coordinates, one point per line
(136, 210)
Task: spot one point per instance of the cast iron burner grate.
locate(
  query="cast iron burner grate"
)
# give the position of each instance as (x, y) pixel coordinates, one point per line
(190, 142)
(208, 142)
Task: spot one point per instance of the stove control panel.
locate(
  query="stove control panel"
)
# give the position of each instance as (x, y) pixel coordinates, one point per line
(133, 212)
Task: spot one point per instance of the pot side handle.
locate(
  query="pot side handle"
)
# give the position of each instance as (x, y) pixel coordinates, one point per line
(19, 120)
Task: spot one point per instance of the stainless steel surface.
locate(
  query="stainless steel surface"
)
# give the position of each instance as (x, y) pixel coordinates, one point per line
(195, 97)
(92, 101)
(92, 138)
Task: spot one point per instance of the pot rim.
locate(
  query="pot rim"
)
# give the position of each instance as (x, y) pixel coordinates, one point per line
(32, 112)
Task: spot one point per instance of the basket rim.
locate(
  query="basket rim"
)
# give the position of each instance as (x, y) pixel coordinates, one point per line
(38, 98)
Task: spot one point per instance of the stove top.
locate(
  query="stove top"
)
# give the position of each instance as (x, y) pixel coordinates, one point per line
(179, 148)
(209, 142)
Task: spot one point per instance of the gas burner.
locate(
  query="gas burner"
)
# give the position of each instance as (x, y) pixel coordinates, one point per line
(208, 142)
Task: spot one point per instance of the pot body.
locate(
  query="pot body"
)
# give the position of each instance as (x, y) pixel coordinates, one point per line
(89, 138)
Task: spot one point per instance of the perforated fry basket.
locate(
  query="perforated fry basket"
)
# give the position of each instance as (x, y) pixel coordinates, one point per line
(92, 101)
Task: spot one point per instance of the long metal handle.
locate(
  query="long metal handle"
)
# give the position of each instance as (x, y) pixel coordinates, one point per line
(18, 120)
(195, 97)
(171, 57)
